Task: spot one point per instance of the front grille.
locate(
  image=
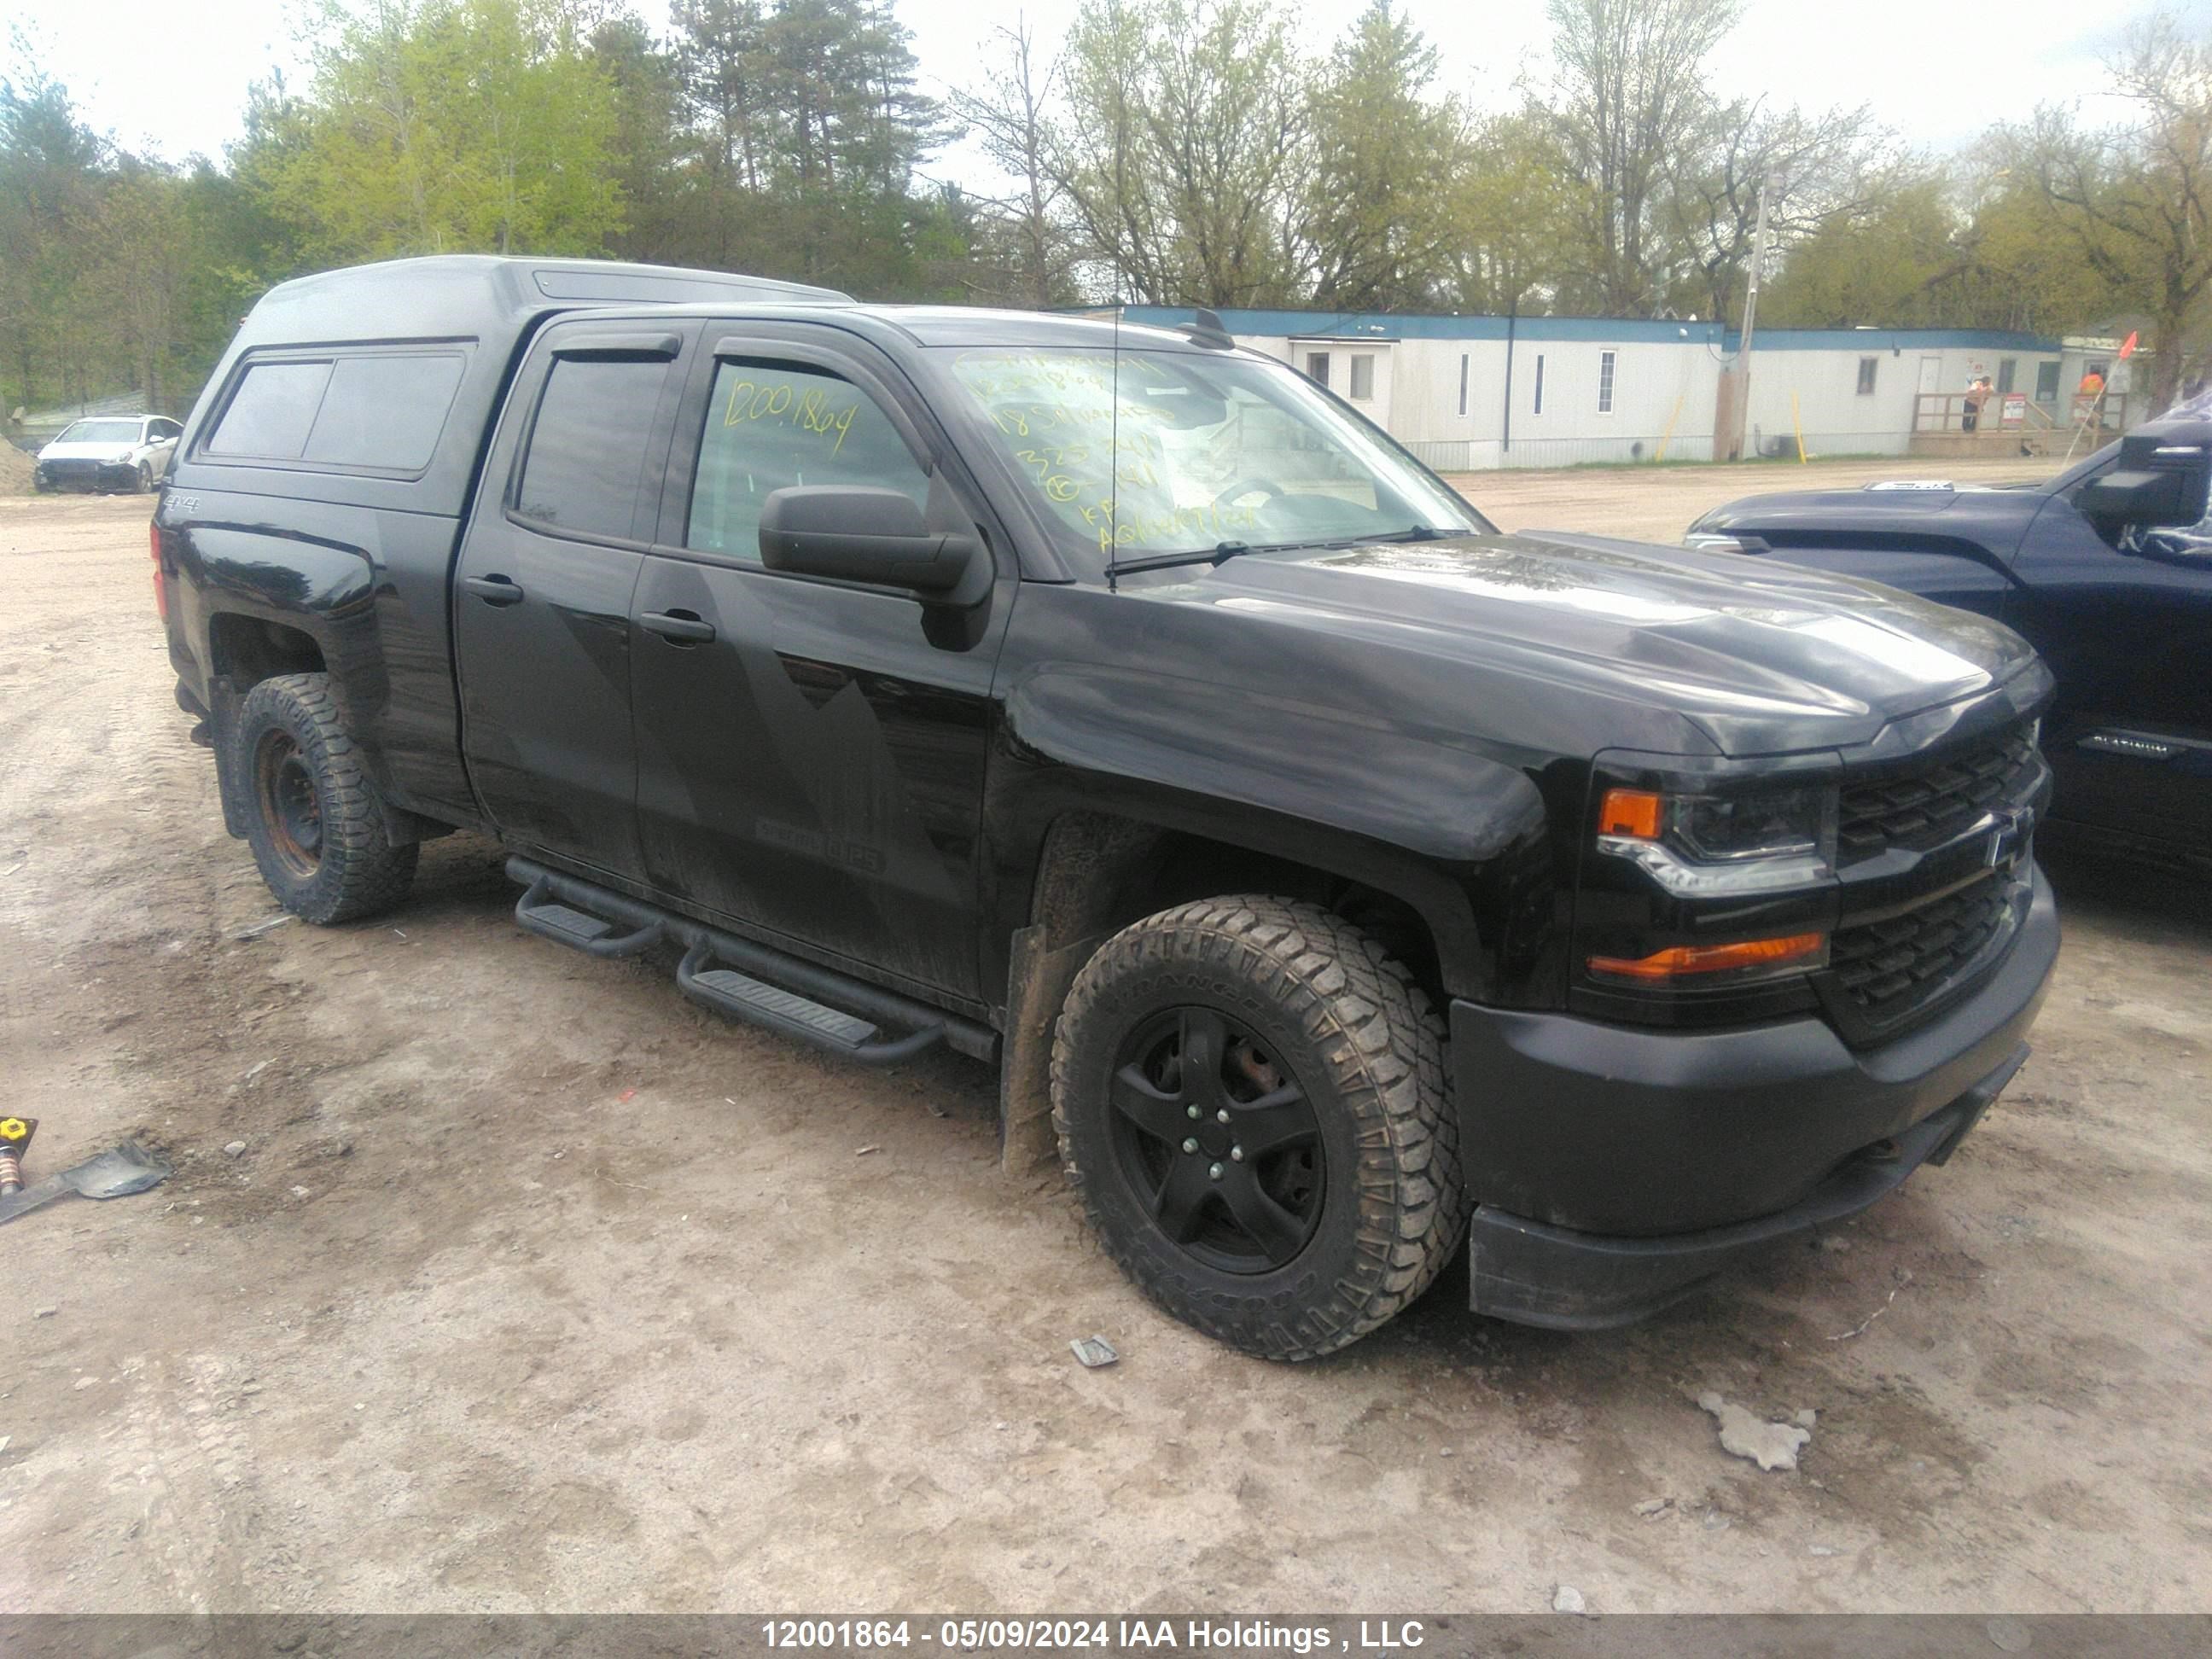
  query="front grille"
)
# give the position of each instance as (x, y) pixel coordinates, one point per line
(1925, 806)
(1885, 970)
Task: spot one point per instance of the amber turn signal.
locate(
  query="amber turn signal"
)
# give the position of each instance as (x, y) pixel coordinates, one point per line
(1678, 961)
(1634, 812)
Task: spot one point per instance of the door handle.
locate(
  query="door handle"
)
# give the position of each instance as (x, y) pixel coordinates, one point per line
(685, 625)
(493, 590)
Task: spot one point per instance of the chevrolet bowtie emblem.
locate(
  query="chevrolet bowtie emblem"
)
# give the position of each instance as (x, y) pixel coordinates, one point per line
(2009, 831)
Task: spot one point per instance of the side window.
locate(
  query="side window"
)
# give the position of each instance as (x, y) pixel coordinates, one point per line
(586, 456)
(269, 415)
(385, 412)
(770, 425)
(163, 430)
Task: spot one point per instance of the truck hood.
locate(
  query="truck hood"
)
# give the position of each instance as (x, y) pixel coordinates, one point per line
(1991, 516)
(1692, 652)
(58, 452)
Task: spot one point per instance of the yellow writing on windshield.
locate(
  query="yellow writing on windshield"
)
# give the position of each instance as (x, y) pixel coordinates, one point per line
(779, 401)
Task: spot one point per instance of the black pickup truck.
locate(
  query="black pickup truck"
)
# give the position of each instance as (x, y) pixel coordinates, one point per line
(1337, 877)
(2105, 569)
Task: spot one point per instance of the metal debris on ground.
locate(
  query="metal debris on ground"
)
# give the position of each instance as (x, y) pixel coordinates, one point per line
(1746, 1435)
(115, 1173)
(1094, 1351)
(1904, 1278)
(261, 928)
(865, 1150)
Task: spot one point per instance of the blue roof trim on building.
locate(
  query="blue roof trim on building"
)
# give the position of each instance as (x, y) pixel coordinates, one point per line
(1601, 331)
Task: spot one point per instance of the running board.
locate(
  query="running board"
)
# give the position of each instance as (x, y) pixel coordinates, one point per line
(745, 979)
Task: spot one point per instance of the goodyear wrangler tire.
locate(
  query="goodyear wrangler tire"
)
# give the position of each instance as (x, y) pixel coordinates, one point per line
(1251, 1099)
(311, 815)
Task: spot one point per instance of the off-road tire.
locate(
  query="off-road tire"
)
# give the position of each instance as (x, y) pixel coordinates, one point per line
(353, 870)
(1360, 1039)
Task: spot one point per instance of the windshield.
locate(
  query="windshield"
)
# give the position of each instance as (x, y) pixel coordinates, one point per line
(99, 432)
(1187, 452)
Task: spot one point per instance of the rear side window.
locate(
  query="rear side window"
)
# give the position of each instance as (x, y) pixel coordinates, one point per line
(270, 414)
(385, 412)
(379, 411)
(588, 447)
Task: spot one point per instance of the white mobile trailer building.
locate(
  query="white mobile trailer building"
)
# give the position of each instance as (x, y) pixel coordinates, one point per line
(1467, 393)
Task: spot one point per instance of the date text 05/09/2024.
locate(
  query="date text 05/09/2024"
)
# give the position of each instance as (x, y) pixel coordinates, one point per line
(1238, 1636)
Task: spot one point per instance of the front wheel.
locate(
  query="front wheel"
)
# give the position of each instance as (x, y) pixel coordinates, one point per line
(1251, 1098)
(144, 481)
(311, 816)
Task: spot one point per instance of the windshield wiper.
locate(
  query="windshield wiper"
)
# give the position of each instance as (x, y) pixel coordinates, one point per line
(1215, 555)
(1419, 532)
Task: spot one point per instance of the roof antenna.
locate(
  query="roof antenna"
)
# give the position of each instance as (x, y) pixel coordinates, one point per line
(1120, 287)
(1210, 332)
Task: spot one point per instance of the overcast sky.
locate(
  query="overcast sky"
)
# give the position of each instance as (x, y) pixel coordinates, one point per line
(171, 77)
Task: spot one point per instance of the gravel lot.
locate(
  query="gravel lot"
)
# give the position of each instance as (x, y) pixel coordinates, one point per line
(533, 1287)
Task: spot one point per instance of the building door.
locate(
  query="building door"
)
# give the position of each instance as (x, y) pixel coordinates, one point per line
(1929, 416)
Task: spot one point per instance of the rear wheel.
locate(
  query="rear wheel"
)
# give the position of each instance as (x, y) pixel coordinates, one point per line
(311, 818)
(1251, 1096)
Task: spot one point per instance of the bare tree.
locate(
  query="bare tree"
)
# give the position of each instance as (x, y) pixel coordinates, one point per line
(1839, 166)
(1627, 101)
(2133, 197)
(1008, 110)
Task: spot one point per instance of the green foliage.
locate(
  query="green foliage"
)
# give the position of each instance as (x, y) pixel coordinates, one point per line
(1183, 147)
(1381, 231)
(441, 126)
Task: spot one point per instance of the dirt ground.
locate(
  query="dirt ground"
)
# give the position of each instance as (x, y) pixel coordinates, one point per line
(534, 1287)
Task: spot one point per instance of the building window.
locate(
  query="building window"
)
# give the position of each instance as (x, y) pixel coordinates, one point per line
(1867, 366)
(1462, 383)
(1605, 363)
(1363, 377)
(1539, 410)
(1317, 367)
(2007, 367)
(2046, 383)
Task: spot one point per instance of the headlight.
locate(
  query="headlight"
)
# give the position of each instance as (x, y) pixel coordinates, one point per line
(1702, 844)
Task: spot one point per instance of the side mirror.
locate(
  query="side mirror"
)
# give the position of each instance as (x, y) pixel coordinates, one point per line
(861, 533)
(2161, 476)
(2124, 499)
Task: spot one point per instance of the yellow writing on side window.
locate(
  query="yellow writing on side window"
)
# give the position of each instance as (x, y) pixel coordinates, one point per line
(808, 410)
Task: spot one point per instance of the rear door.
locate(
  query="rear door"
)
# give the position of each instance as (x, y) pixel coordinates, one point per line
(2127, 631)
(545, 582)
(810, 753)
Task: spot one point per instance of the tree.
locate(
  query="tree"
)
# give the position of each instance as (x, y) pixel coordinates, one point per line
(1379, 226)
(1626, 103)
(1515, 219)
(1007, 111)
(446, 125)
(1183, 149)
(2130, 199)
(1819, 170)
(50, 177)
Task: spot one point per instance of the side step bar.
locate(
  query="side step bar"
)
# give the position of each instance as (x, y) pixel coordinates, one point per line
(743, 980)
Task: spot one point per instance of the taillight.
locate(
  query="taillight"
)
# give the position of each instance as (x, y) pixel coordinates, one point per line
(161, 588)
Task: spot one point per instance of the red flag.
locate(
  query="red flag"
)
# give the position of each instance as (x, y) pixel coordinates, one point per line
(2128, 346)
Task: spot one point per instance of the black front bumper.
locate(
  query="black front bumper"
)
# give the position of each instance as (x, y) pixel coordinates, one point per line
(1619, 1169)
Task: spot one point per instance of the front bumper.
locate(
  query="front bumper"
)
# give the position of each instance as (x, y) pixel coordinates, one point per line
(1618, 1169)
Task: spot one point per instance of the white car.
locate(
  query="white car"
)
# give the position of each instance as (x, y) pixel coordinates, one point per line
(109, 452)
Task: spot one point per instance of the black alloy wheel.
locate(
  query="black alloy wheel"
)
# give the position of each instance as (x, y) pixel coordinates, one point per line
(1217, 1141)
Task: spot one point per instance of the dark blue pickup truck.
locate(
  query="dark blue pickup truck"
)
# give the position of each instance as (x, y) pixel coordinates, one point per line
(2107, 570)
